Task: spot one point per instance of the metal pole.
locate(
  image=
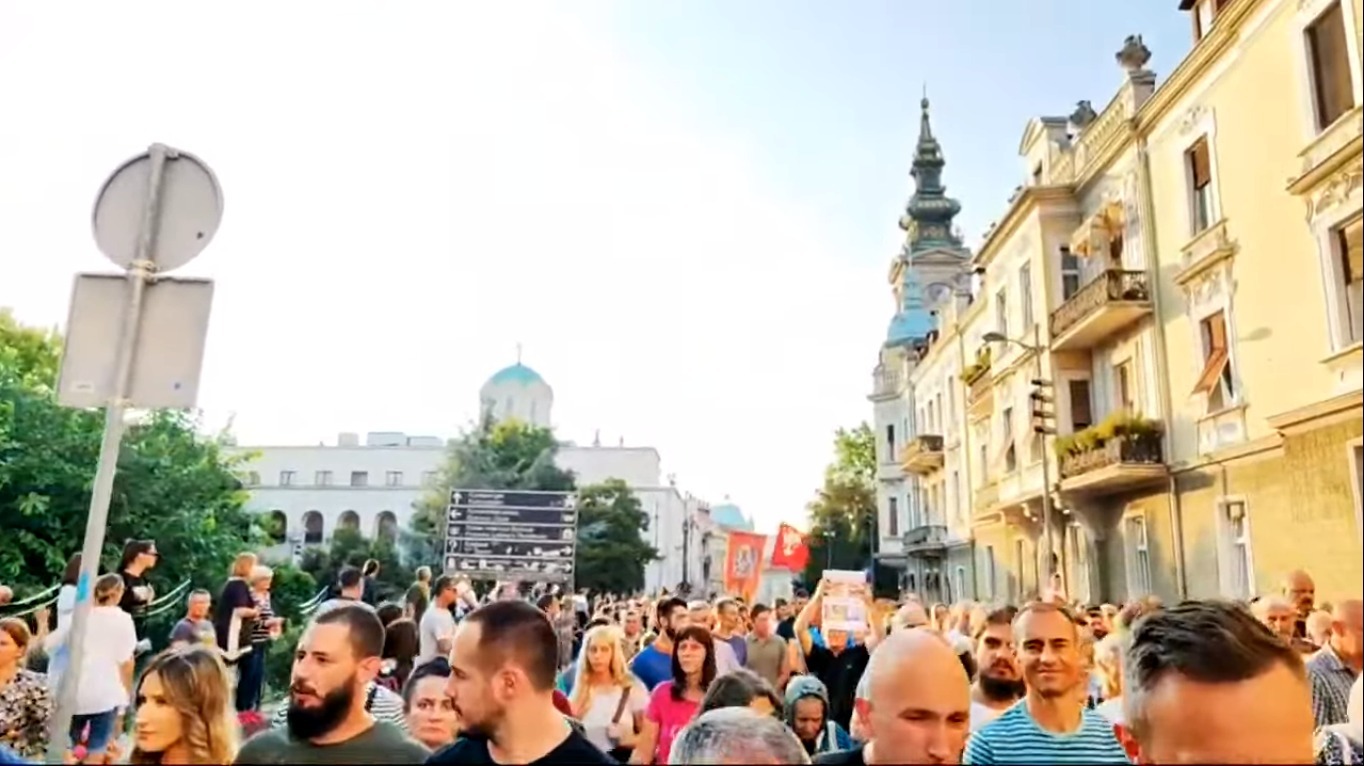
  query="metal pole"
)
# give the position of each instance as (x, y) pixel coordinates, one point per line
(1046, 471)
(141, 271)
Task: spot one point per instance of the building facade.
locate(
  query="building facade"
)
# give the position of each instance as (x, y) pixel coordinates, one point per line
(373, 486)
(1201, 437)
(1262, 293)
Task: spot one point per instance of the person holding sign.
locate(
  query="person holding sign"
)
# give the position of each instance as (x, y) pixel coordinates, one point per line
(842, 604)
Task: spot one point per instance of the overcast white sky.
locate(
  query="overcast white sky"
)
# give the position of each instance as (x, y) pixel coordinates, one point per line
(414, 188)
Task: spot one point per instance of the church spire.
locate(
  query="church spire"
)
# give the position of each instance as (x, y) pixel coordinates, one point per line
(929, 213)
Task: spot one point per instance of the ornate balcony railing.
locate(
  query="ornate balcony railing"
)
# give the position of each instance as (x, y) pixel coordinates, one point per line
(1112, 286)
(1141, 449)
(923, 453)
(925, 537)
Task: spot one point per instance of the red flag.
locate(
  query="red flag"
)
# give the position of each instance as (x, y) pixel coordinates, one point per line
(744, 564)
(790, 551)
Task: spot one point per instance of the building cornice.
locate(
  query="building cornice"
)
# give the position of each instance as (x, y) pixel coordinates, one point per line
(1026, 201)
(1207, 52)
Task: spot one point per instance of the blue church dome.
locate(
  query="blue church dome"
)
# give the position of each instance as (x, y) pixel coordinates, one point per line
(516, 373)
(908, 326)
(729, 515)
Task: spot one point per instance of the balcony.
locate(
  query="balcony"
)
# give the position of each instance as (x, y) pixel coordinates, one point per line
(889, 470)
(926, 539)
(1122, 453)
(1114, 300)
(923, 454)
(979, 386)
(986, 498)
(886, 384)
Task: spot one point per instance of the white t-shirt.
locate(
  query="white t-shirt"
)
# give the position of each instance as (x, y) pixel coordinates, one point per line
(437, 623)
(110, 641)
(725, 658)
(983, 714)
(596, 720)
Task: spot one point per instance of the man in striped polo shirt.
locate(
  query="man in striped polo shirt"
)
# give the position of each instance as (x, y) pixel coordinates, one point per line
(1051, 724)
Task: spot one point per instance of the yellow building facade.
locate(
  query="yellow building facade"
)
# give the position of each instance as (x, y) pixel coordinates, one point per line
(1182, 271)
(1253, 146)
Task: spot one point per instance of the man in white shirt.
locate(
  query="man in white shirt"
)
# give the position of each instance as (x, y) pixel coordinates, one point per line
(438, 621)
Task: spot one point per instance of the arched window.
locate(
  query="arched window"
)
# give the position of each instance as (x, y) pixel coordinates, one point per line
(276, 526)
(348, 520)
(312, 528)
(386, 526)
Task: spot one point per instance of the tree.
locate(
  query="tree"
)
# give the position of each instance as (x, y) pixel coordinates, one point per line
(173, 485)
(843, 512)
(350, 548)
(505, 455)
(611, 551)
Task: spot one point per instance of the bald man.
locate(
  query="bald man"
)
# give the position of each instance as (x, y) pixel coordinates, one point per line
(1301, 592)
(1280, 616)
(918, 704)
(1334, 669)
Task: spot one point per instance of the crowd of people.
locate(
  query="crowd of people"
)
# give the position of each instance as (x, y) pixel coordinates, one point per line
(449, 675)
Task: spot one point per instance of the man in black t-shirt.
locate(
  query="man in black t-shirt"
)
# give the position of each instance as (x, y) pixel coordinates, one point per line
(502, 687)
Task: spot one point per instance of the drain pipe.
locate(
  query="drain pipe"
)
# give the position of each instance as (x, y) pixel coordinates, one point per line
(1146, 208)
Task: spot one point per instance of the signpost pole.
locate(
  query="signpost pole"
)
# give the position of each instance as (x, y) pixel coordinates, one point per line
(141, 271)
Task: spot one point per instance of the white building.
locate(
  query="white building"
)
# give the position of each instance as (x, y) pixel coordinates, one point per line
(372, 485)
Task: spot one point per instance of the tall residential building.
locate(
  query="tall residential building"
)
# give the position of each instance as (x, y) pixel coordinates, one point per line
(1254, 147)
(919, 533)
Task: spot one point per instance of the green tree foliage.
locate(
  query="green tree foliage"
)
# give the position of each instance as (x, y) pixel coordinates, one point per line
(843, 513)
(350, 548)
(611, 552)
(173, 485)
(506, 455)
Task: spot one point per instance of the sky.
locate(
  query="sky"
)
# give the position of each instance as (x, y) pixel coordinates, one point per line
(684, 212)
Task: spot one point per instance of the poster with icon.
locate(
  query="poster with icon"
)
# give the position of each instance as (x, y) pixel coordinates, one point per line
(844, 606)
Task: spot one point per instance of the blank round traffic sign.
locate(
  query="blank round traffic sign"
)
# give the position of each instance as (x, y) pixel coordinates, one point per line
(191, 209)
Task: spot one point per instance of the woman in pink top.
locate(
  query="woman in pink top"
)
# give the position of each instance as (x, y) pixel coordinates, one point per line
(673, 703)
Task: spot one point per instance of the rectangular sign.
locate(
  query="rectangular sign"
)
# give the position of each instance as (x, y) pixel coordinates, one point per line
(511, 534)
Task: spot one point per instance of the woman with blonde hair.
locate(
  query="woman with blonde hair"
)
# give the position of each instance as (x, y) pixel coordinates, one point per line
(184, 710)
(1108, 670)
(606, 698)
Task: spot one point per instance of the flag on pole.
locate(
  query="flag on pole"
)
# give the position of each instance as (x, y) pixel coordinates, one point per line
(744, 564)
(791, 550)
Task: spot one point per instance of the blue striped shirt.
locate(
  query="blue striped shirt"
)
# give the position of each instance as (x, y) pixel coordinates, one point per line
(1015, 738)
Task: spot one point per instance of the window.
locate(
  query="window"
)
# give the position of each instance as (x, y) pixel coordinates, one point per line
(1007, 437)
(1329, 61)
(1079, 564)
(286, 478)
(1070, 273)
(1025, 293)
(322, 478)
(984, 464)
(942, 415)
(990, 572)
(1002, 311)
(429, 478)
(1020, 557)
(959, 583)
(890, 441)
(1348, 248)
(359, 478)
(253, 478)
(1199, 162)
(893, 515)
(951, 413)
(1138, 558)
(393, 479)
(1238, 573)
(1126, 384)
(1115, 246)
(958, 505)
(1204, 15)
(1037, 175)
(1216, 380)
(1081, 409)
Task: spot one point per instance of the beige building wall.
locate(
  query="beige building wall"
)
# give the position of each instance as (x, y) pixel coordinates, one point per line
(1266, 444)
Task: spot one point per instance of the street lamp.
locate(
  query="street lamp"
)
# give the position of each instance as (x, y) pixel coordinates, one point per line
(1038, 397)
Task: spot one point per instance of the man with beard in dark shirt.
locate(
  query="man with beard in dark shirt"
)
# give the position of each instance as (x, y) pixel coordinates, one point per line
(502, 686)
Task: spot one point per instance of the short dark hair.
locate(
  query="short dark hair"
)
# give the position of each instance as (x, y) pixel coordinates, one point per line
(435, 668)
(389, 613)
(1003, 615)
(703, 637)
(1210, 642)
(779, 603)
(361, 622)
(802, 593)
(738, 688)
(757, 611)
(521, 633)
(349, 577)
(667, 606)
(442, 583)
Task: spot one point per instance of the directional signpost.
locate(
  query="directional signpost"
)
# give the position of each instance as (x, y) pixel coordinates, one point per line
(511, 534)
(134, 339)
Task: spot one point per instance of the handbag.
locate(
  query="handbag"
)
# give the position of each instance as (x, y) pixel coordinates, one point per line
(621, 754)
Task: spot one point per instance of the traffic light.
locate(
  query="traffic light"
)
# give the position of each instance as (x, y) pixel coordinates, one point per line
(1043, 403)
